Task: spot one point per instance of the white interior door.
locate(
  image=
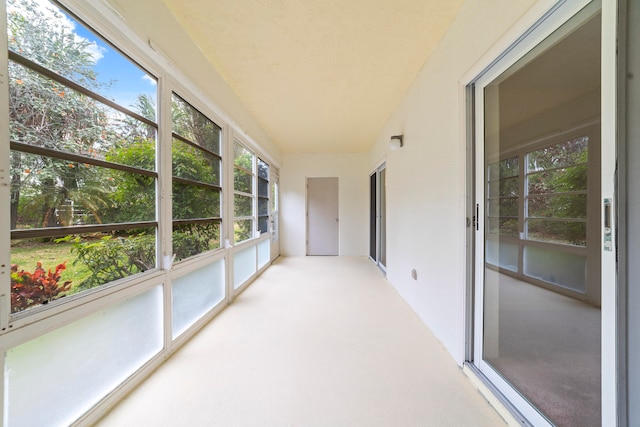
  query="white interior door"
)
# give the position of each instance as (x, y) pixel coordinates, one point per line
(323, 222)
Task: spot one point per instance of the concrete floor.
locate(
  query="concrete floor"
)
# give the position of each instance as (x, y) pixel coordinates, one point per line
(314, 341)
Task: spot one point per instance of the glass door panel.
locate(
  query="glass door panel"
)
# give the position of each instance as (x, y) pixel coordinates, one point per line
(383, 218)
(373, 217)
(378, 217)
(539, 126)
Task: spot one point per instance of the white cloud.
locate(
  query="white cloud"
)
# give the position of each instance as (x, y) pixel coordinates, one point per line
(96, 51)
(149, 80)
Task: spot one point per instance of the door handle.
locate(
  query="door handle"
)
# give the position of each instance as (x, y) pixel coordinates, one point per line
(607, 229)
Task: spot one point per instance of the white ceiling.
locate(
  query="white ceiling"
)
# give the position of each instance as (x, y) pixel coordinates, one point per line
(318, 75)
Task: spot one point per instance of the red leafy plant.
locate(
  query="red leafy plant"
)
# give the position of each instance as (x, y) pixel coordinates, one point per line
(40, 287)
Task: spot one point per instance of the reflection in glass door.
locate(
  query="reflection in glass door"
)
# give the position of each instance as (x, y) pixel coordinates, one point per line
(378, 221)
(538, 185)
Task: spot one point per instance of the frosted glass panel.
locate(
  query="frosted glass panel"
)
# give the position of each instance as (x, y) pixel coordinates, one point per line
(244, 265)
(194, 294)
(264, 252)
(504, 255)
(54, 379)
(561, 268)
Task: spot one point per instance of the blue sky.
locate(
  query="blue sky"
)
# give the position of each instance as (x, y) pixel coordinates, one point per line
(127, 80)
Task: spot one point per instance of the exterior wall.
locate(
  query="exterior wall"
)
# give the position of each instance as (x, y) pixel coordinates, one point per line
(353, 180)
(426, 179)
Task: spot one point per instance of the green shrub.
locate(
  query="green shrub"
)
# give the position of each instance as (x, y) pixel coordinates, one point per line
(112, 257)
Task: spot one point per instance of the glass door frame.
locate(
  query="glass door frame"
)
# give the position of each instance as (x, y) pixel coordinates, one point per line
(377, 214)
(628, 209)
(534, 27)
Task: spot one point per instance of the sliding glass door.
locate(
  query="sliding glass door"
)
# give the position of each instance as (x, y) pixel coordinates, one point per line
(377, 218)
(539, 240)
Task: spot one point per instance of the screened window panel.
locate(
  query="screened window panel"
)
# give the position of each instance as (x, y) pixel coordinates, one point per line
(242, 230)
(243, 181)
(263, 224)
(81, 155)
(191, 124)
(193, 202)
(197, 170)
(194, 164)
(243, 205)
(263, 169)
(193, 238)
(263, 207)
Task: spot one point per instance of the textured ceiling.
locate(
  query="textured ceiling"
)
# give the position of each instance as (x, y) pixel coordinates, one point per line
(318, 75)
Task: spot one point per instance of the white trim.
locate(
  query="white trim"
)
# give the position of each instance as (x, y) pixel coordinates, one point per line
(164, 204)
(516, 33)
(378, 165)
(609, 331)
(538, 32)
(5, 183)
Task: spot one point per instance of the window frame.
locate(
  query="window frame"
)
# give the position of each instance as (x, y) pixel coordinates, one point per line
(252, 195)
(274, 204)
(43, 311)
(197, 183)
(263, 199)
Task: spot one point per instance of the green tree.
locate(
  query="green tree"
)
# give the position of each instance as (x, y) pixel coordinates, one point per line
(47, 114)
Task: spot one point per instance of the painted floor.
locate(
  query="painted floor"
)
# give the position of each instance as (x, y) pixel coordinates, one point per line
(314, 341)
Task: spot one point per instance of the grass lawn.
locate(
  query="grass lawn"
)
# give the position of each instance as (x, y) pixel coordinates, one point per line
(27, 254)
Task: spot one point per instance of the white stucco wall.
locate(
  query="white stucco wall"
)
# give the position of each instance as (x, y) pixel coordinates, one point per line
(426, 179)
(353, 180)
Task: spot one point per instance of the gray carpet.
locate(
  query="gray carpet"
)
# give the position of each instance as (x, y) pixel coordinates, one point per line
(549, 349)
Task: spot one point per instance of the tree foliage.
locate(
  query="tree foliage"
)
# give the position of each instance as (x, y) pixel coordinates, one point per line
(113, 257)
(47, 114)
